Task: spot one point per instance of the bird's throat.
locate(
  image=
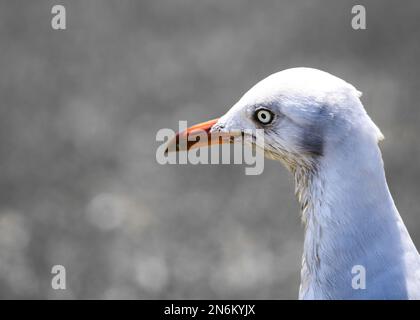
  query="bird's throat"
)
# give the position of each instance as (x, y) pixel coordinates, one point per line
(350, 220)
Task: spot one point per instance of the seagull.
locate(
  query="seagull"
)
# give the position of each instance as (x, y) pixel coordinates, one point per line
(315, 125)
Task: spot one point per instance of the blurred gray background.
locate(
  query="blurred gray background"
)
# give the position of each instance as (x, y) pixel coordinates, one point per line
(79, 112)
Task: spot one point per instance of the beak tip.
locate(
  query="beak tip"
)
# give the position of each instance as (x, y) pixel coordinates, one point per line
(175, 145)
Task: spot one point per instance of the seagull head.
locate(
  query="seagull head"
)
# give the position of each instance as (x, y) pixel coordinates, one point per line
(304, 113)
(315, 124)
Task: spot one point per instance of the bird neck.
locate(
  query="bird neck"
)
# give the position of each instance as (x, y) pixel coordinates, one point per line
(350, 220)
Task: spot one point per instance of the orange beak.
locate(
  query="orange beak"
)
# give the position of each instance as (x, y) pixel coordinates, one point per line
(191, 138)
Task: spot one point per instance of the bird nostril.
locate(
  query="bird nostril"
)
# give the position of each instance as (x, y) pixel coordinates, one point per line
(217, 127)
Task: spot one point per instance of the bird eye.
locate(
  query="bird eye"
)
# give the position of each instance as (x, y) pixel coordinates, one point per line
(264, 116)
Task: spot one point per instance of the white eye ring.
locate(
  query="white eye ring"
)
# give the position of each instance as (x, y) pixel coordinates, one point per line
(264, 116)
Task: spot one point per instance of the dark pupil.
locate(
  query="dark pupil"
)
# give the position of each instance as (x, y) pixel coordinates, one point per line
(263, 115)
